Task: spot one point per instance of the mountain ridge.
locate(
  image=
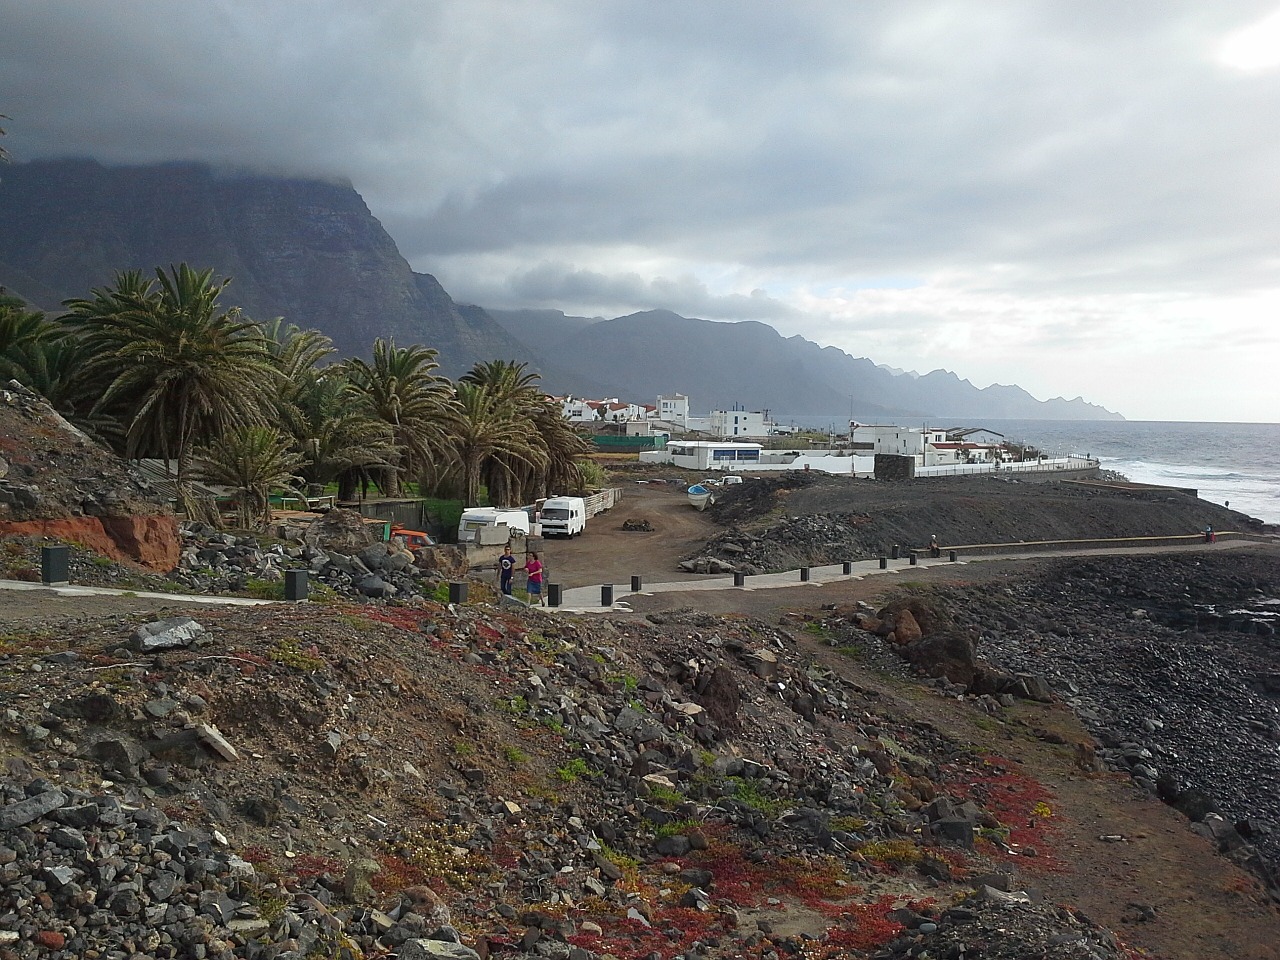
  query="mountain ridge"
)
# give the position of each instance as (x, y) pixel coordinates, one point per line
(312, 252)
(811, 379)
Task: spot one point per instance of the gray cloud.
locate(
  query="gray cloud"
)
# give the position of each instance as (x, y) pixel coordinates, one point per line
(732, 159)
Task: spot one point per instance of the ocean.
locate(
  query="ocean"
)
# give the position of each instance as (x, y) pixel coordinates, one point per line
(1235, 463)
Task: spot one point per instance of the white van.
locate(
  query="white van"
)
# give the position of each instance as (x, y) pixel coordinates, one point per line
(563, 517)
(517, 522)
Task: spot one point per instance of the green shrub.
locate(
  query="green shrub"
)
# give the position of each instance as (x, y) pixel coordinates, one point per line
(748, 792)
(515, 755)
(264, 589)
(665, 797)
(574, 770)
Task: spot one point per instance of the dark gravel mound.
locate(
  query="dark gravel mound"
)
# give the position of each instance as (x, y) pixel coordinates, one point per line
(1173, 663)
(799, 519)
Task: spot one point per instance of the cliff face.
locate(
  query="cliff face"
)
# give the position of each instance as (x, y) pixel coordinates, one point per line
(56, 482)
(310, 251)
(306, 250)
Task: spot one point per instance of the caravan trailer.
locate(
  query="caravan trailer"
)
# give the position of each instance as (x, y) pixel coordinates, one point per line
(516, 521)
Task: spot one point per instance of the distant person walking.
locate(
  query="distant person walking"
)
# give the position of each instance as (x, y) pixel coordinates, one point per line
(934, 549)
(1209, 535)
(506, 568)
(533, 567)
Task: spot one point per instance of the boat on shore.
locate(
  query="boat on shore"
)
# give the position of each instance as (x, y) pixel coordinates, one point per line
(700, 496)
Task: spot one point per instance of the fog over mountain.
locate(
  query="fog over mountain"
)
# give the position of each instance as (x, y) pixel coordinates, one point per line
(310, 251)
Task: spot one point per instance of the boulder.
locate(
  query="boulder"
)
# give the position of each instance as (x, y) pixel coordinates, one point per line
(443, 562)
(721, 698)
(928, 618)
(952, 654)
(340, 530)
(165, 634)
(905, 628)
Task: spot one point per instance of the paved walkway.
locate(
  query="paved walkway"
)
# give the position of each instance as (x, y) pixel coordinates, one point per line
(589, 599)
(72, 590)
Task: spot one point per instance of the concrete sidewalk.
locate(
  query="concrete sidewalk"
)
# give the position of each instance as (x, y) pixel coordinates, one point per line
(588, 599)
(70, 590)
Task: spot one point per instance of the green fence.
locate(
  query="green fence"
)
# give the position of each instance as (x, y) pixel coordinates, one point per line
(628, 444)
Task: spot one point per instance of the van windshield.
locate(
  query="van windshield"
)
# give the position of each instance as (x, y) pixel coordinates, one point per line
(556, 513)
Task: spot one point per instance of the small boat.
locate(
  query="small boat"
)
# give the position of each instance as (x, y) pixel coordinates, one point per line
(700, 496)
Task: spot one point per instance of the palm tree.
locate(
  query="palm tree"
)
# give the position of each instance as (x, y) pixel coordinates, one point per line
(338, 439)
(565, 448)
(297, 353)
(514, 387)
(184, 369)
(489, 433)
(19, 328)
(54, 367)
(507, 379)
(254, 461)
(399, 389)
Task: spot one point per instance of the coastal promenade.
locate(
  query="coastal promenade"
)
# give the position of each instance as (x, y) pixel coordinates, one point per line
(589, 599)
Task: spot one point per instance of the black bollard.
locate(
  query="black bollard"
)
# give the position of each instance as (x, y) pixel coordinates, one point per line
(739, 579)
(954, 556)
(848, 567)
(914, 558)
(635, 584)
(606, 595)
(54, 564)
(884, 563)
(553, 594)
(804, 574)
(893, 554)
(295, 584)
(457, 593)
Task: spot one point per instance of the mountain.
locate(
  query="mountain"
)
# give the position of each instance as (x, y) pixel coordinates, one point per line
(749, 363)
(311, 252)
(307, 250)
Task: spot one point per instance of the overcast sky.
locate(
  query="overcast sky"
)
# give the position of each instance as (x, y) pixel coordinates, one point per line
(1079, 197)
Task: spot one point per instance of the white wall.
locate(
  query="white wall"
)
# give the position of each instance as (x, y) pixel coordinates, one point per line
(738, 423)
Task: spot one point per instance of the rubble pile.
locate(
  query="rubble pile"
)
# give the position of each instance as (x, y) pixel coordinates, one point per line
(214, 562)
(786, 545)
(272, 782)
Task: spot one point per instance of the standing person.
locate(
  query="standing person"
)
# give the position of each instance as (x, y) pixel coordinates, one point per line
(506, 567)
(533, 567)
(934, 549)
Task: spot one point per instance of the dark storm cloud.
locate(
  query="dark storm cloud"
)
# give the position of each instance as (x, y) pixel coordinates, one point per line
(732, 159)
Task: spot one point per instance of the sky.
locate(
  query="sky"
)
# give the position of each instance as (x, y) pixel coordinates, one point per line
(1081, 197)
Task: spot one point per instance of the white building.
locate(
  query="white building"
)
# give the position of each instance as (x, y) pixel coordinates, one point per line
(738, 423)
(708, 456)
(674, 409)
(576, 410)
(899, 441)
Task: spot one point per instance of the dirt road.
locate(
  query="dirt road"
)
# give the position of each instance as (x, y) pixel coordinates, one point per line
(606, 553)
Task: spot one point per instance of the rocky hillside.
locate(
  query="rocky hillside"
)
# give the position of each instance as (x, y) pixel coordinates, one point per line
(374, 781)
(57, 482)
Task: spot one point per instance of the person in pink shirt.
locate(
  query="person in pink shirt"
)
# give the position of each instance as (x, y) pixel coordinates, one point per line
(533, 567)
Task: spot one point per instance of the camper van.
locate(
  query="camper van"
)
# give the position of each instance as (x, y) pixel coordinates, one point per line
(563, 517)
(516, 521)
